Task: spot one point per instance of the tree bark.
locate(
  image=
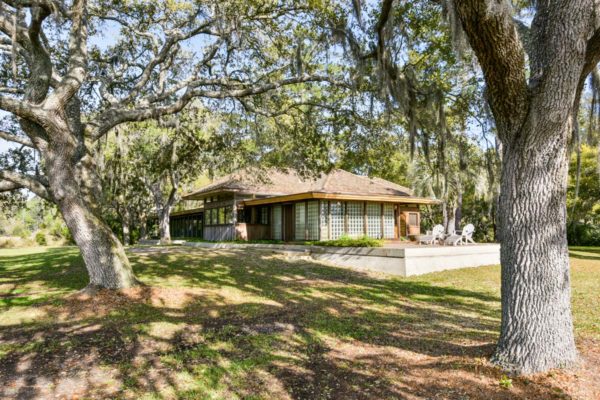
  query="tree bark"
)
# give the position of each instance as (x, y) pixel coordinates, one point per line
(143, 227)
(537, 329)
(458, 208)
(103, 254)
(126, 229)
(164, 228)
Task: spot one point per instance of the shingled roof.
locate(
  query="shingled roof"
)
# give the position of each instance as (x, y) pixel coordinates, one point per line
(273, 182)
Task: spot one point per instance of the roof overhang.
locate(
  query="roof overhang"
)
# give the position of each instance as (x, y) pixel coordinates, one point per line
(199, 195)
(187, 212)
(341, 196)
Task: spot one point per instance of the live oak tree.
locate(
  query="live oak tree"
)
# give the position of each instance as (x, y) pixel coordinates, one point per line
(534, 80)
(69, 87)
(534, 76)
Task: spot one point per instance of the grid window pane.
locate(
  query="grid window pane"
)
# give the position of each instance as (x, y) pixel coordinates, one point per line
(277, 223)
(324, 220)
(374, 220)
(337, 219)
(388, 221)
(300, 221)
(355, 219)
(313, 220)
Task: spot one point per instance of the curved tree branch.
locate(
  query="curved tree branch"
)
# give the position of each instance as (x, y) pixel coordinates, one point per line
(115, 116)
(26, 182)
(503, 63)
(77, 69)
(16, 139)
(8, 186)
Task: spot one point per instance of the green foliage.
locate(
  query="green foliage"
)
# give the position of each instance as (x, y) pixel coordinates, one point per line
(586, 207)
(347, 241)
(583, 228)
(40, 239)
(505, 382)
(583, 234)
(37, 216)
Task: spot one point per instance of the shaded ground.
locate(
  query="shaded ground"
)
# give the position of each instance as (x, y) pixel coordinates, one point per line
(250, 325)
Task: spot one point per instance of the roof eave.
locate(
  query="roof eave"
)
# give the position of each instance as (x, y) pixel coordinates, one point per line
(342, 196)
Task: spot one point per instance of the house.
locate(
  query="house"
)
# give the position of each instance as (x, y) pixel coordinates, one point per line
(254, 204)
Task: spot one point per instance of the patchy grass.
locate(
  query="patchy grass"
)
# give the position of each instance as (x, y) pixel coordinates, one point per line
(250, 325)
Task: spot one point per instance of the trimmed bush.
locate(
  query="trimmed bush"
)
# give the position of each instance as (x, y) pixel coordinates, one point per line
(40, 239)
(579, 234)
(347, 241)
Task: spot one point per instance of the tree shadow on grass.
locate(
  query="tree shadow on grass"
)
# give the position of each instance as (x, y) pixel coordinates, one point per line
(231, 324)
(585, 254)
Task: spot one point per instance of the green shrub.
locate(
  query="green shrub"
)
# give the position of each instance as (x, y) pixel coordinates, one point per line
(21, 231)
(7, 243)
(579, 234)
(40, 239)
(347, 241)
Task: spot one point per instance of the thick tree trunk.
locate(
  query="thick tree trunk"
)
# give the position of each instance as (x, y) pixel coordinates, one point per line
(458, 209)
(164, 228)
(537, 329)
(143, 226)
(163, 209)
(126, 231)
(103, 254)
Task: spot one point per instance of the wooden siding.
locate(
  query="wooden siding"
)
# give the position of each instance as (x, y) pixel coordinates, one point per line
(219, 232)
(246, 231)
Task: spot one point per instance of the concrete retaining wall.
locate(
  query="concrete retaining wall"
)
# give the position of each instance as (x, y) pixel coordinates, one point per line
(411, 260)
(418, 261)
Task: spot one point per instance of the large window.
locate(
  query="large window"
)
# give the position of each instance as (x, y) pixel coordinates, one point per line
(374, 220)
(264, 216)
(228, 214)
(324, 220)
(277, 233)
(388, 221)
(300, 211)
(219, 216)
(313, 220)
(337, 219)
(183, 226)
(356, 222)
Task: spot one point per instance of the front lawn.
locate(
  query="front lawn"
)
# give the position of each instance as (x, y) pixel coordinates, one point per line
(240, 324)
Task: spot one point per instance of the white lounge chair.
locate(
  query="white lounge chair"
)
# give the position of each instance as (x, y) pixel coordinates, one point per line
(436, 235)
(462, 237)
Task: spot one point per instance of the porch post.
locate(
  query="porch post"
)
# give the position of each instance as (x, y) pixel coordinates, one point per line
(365, 230)
(234, 218)
(382, 224)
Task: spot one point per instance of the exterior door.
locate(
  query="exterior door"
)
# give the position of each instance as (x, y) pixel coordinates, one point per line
(288, 222)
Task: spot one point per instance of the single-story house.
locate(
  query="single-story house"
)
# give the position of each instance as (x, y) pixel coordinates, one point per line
(276, 205)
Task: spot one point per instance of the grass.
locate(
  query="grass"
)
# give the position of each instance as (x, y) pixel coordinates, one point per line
(242, 324)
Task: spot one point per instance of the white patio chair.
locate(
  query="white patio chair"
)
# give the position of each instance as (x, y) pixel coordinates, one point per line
(435, 236)
(462, 237)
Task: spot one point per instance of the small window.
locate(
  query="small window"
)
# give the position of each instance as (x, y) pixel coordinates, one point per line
(228, 214)
(264, 215)
(221, 215)
(413, 219)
